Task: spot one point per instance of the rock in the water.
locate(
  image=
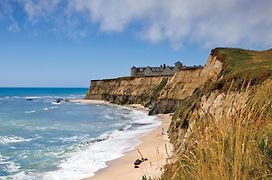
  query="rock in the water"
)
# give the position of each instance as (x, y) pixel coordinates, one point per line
(29, 99)
(137, 162)
(57, 101)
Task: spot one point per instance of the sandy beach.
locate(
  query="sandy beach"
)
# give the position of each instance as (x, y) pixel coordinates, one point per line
(154, 146)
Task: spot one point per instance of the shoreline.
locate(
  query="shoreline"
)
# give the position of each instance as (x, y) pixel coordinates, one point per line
(87, 101)
(154, 146)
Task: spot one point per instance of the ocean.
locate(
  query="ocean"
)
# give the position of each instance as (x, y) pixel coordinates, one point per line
(41, 138)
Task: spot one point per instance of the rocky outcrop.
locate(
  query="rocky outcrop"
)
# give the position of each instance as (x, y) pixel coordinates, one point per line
(162, 94)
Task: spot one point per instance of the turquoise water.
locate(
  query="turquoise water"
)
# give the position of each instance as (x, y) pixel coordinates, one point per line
(41, 139)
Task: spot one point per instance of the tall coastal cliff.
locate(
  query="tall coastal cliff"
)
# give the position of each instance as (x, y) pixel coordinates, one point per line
(161, 94)
(222, 113)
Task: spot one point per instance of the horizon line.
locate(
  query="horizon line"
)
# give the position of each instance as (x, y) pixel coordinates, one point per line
(38, 87)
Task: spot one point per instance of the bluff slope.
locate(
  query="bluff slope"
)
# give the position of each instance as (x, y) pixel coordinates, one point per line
(160, 94)
(223, 130)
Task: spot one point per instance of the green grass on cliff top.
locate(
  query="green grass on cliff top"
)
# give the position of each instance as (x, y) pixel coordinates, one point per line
(241, 65)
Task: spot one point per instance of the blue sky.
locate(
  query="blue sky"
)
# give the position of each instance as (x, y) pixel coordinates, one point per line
(61, 43)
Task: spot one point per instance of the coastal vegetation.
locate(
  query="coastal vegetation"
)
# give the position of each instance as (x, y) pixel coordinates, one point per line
(231, 138)
(241, 67)
(235, 145)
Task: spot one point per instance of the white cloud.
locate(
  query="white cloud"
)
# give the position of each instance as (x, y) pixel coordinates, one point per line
(6, 15)
(207, 23)
(39, 8)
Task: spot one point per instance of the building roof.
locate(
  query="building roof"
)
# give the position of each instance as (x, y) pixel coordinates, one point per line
(161, 68)
(153, 69)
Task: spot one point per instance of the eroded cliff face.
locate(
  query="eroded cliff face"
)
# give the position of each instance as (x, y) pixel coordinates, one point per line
(216, 105)
(184, 83)
(160, 94)
(129, 90)
(134, 86)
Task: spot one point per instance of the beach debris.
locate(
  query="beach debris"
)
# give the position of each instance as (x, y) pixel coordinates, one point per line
(140, 154)
(137, 162)
(162, 132)
(144, 159)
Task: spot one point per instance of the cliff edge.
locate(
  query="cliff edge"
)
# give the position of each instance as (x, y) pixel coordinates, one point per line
(161, 94)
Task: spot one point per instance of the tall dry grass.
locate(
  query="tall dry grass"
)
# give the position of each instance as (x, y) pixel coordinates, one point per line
(237, 145)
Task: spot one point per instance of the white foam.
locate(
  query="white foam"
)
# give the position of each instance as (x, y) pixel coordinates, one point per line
(30, 112)
(85, 162)
(20, 176)
(74, 138)
(33, 97)
(55, 103)
(8, 165)
(50, 108)
(12, 139)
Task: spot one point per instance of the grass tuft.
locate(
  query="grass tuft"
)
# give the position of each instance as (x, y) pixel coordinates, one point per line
(236, 145)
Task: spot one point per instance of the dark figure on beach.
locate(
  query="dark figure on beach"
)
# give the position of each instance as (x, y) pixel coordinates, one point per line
(137, 162)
